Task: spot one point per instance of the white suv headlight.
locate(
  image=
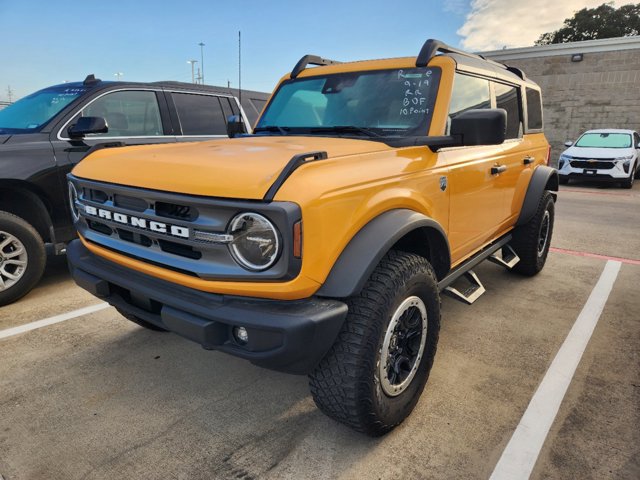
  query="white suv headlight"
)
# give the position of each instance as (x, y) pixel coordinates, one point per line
(622, 159)
(256, 243)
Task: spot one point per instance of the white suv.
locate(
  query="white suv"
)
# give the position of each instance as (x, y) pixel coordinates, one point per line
(603, 155)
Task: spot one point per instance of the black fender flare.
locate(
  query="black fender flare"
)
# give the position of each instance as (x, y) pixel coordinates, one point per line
(543, 178)
(365, 250)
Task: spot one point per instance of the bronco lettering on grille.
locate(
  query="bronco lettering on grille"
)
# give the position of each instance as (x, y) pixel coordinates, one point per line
(137, 222)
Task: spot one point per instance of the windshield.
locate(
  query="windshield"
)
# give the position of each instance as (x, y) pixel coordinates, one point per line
(33, 111)
(378, 103)
(604, 140)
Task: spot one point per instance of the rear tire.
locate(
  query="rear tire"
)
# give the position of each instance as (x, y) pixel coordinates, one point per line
(22, 257)
(531, 241)
(373, 375)
(141, 322)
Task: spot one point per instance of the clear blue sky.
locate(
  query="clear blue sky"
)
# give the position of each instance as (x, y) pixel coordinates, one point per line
(48, 42)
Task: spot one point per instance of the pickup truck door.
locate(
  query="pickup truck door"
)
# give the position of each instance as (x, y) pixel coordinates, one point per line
(135, 116)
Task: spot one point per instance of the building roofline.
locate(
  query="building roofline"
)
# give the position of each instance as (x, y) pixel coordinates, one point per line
(586, 46)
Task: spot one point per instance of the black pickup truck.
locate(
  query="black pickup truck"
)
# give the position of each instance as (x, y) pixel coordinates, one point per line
(43, 135)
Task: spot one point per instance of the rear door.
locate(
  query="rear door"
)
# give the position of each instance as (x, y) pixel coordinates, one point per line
(518, 160)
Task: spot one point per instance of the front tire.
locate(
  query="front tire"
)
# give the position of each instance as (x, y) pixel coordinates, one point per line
(532, 240)
(22, 257)
(628, 183)
(373, 375)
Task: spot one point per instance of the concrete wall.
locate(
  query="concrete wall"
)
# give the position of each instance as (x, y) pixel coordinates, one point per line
(601, 91)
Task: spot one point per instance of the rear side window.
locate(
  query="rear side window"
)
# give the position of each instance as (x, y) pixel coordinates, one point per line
(534, 109)
(469, 93)
(507, 98)
(200, 114)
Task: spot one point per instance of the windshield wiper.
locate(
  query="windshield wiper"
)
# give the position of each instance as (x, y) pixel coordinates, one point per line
(273, 128)
(346, 129)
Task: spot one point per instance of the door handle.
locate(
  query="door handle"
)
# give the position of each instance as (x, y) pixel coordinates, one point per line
(527, 160)
(496, 169)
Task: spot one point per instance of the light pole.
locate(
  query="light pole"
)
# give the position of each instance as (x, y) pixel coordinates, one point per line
(202, 62)
(193, 70)
(118, 75)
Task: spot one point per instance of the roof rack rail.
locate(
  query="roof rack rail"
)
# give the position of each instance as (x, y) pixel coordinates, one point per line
(91, 80)
(433, 46)
(516, 71)
(310, 60)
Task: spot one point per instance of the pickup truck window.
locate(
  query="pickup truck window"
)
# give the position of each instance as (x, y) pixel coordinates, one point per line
(200, 114)
(132, 113)
(386, 102)
(33, 111)
(507, 97)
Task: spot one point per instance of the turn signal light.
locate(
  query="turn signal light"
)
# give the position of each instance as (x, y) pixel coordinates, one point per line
(297, 240)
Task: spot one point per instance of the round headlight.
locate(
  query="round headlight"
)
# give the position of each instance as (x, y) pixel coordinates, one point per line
(73, 198)
(255, 243)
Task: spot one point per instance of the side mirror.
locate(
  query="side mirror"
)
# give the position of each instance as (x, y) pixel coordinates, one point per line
(87, 125)
(480, 127)
(235, 126)
(568, 143)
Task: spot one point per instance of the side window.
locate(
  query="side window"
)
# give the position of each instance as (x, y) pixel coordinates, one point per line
(636, 139)
(229, 107)
(469, 93)
(200, 114)
(132, 113)
(534, 109)
(507, 98)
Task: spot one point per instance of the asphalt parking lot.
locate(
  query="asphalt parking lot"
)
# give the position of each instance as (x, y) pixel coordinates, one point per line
(96, 396)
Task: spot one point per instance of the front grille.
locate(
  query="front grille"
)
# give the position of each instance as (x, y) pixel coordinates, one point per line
(134, 237)
(591, 164)
(98, 196)
(130, 203)
(179, 249)
(99, 227)
(159, 228)
(179, 212)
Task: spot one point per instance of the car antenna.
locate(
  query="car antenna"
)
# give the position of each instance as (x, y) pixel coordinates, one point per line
(91, 80)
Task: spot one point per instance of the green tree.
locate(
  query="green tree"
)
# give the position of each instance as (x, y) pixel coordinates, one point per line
(604, 21)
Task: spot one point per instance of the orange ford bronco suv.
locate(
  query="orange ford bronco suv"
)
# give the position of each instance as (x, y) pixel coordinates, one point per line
(320, 243)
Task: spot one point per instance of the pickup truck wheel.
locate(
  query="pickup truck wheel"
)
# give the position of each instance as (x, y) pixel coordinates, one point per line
(141, 322)
(531, 241)
(374, 373)
(22, 257)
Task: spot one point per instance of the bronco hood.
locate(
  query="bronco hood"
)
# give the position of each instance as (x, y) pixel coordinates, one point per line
(242, 168)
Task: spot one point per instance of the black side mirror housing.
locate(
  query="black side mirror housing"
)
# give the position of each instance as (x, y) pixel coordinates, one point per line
(235, 126)
(480, 127)
(87, 125)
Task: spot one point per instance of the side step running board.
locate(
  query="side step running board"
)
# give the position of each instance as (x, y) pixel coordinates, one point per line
(507, 258)
(473, 288)
(471, 293)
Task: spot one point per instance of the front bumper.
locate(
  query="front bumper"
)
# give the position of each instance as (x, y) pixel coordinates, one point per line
(614, 172)
(289, 336)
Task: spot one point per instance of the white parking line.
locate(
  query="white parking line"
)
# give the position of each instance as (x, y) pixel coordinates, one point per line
(521, 453)
(10, 332)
